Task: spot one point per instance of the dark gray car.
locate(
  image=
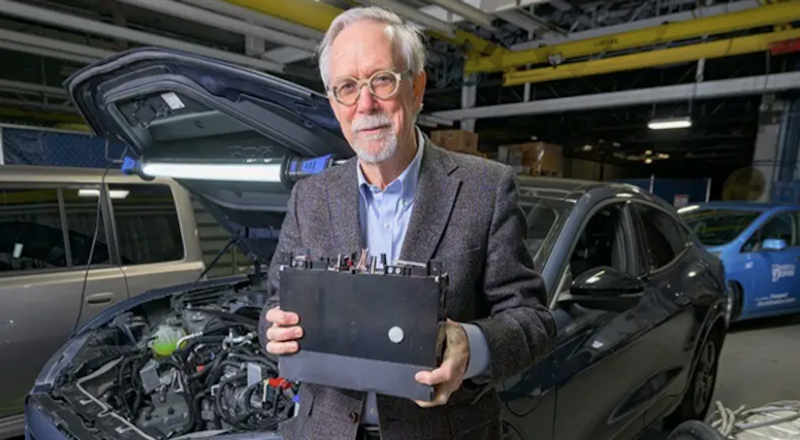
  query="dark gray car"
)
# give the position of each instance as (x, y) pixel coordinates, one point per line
(638, 302)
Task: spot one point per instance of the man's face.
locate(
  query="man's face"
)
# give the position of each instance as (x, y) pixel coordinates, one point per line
(374, 127)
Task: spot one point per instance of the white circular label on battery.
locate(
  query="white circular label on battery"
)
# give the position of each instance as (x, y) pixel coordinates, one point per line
(396, 334)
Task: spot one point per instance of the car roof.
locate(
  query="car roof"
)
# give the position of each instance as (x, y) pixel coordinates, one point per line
(746, 206)
(576, 188)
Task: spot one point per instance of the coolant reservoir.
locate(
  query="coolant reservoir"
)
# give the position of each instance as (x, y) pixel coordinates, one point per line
(165, 339)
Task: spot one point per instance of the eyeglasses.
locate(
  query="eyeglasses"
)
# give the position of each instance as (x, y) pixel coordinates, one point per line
(383, 84)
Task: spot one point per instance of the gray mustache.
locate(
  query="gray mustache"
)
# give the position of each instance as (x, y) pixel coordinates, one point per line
(370, 122)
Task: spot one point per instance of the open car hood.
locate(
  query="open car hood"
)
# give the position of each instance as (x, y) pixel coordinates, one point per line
(173, 107)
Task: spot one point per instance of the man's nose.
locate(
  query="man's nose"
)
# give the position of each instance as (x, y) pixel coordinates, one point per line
(366, 102)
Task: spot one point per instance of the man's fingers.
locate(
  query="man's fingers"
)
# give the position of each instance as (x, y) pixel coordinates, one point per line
(278, 316)
(440, 375)
(440, 398)
(281, 348)
(281, 334)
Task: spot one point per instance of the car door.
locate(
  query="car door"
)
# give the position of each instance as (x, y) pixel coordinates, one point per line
(676, 284)
(45, 234)
(773, 285)
(602, 358)
(105, 282)
(157, 244)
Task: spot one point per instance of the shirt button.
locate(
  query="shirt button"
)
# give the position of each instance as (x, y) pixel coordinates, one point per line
(353, 417)
(387, 225)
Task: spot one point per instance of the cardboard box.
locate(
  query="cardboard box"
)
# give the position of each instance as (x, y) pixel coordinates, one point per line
(543, 159)
(456, 140)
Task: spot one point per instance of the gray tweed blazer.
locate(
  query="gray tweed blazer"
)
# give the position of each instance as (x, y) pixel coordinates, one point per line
(466, 214)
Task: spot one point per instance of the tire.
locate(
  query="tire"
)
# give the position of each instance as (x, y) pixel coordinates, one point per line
(695, 403)
(734, 310)
(695, 430)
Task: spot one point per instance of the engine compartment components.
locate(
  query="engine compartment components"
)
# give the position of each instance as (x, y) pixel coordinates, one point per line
(161, 372)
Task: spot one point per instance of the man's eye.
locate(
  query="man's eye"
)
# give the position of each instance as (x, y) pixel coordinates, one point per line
(345, 88)
(384, 79)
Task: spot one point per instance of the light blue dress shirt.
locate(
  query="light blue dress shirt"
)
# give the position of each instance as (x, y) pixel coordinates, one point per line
(384, 217)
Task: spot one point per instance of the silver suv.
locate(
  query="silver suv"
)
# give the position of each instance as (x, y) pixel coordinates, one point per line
(147, 239)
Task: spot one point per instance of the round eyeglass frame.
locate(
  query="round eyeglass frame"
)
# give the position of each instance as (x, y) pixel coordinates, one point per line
(399, 76)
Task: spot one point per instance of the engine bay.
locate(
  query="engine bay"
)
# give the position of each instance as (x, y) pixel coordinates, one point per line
(184, 367)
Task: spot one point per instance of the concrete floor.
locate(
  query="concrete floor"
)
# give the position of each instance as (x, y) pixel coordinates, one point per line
(759, 359)
(758, 364)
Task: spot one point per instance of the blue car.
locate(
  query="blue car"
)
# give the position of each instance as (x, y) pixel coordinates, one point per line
(759, 244)
(638, 303)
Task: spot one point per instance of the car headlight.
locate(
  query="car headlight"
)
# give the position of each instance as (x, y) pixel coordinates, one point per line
(60, 360)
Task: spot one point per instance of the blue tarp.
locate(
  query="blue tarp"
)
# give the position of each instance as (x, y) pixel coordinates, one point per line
(22, 146)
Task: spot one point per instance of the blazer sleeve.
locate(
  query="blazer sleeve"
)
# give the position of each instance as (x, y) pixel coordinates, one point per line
(519, 330)
(288, 241)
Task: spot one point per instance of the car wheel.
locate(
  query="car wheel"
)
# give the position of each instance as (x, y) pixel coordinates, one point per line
(733, 306)
(695, 430)
(696, 401)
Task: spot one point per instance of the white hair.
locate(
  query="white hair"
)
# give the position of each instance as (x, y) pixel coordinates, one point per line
(406, 37)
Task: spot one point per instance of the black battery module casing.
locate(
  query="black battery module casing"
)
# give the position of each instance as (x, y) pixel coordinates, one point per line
(364, 330)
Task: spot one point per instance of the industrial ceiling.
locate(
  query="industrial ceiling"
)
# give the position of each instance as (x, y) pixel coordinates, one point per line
(585, 74)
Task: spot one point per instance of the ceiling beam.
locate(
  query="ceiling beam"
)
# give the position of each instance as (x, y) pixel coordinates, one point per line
(654, 58)
(45, 52)
(710, 11)
(62, 20)
(748, 19)
(7, 84)
(752, 85)
(54, 44)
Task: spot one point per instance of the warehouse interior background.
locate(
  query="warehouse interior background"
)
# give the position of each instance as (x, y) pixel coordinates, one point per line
(583, 77)
(692, 99)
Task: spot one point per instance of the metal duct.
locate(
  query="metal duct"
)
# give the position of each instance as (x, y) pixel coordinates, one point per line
(256, 17)
(52, 44)
(751, 85)
(59, 19)
(470, 13)
(412, 14)
(208, 18)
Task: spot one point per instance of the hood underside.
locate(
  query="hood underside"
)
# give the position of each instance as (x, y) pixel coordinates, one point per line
(172, 107)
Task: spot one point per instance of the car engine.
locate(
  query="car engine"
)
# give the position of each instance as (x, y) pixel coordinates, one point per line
(174, 367)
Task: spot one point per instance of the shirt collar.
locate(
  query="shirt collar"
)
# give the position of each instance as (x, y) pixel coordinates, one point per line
(407, 179)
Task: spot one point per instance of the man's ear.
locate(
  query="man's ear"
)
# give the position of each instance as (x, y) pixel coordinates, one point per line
(420, 81)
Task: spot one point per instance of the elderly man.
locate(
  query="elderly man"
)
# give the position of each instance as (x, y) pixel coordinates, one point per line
(407, 198)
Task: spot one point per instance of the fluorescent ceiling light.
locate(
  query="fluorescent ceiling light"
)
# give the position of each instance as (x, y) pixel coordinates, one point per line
(262, 172)
(114, 193)
(668, 124)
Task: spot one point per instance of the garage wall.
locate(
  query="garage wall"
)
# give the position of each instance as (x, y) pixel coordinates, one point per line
(590, 170)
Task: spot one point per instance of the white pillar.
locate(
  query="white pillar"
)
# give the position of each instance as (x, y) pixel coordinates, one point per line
(767, 152)
(469, 97)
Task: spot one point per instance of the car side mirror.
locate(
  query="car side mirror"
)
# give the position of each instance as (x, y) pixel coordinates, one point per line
(774, 244)
(606, 288)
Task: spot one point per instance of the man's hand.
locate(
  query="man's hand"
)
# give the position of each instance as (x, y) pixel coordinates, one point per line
(448, 377)
(284, 332)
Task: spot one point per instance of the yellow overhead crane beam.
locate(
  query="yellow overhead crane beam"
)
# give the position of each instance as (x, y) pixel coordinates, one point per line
(694, 52)
(762, 16)
(319, 15)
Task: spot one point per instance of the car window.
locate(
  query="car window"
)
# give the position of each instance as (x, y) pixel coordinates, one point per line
(664, 236)
(31, 234)
(715, 227)
(147, 224)
(601, 243)
(80, 206)
(782, 226)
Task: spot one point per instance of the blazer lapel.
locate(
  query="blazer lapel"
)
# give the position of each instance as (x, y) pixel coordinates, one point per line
(433, 203)
(343, 204)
